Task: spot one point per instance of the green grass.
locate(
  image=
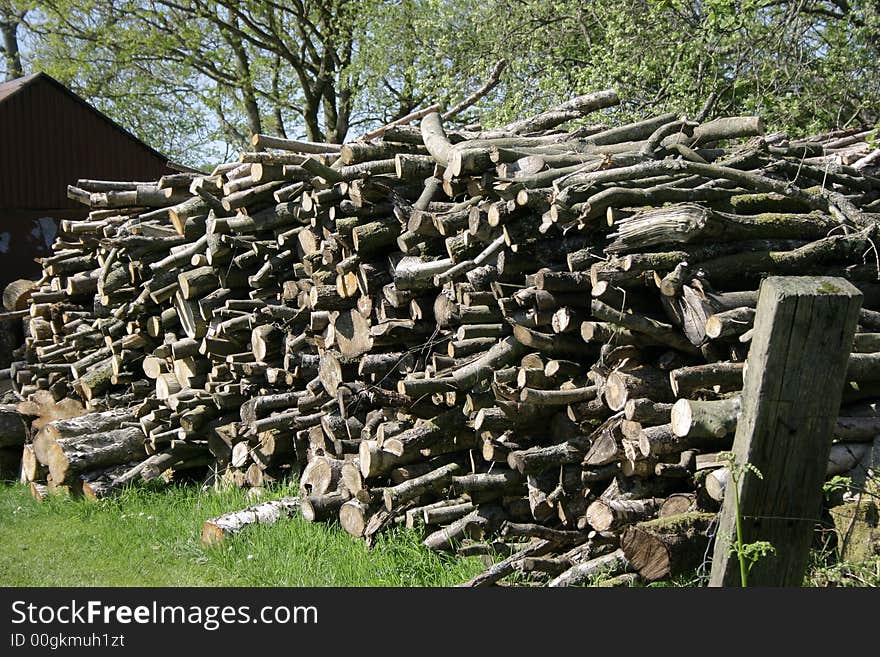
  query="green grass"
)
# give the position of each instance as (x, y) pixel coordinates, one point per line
(151, 537)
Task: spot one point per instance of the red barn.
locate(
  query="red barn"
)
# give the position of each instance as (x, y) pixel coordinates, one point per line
(49, 138)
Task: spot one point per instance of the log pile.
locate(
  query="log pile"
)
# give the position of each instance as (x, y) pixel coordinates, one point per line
(527, 341)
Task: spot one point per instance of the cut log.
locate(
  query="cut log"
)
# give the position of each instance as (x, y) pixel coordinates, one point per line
(623, 385)
(321, 476)
(17, 294)
(647, 412)
(607, 565)
(318, 508)
(71, 456)
(432, 481)
(605, 515)
(705, 419)
(480, 521)
(721, 377)
(668, 546)
(354, 516)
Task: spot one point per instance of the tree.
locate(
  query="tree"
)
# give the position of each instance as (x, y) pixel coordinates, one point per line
(11, 18)
(805, 66)
(270, 58)
(197, 78)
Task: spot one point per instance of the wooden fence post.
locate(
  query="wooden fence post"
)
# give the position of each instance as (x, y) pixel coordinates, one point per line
(793, 383)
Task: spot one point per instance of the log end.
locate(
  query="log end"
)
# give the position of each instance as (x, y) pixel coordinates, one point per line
(682, 418)
(57, 462)
(212, 535)
(308, 509)
(600, 516)
(615, 392)
(353, 518)
(39, 491)
(714, 327)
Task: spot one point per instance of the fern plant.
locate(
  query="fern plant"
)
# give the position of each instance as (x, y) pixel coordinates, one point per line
(748, 554)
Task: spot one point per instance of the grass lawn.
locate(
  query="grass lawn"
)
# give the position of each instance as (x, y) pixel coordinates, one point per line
(151, 537)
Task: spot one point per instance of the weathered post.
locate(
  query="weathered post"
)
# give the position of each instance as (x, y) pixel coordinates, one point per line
(794, 378)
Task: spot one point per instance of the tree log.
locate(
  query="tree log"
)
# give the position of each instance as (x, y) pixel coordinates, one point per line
(71, 456)
(608, 565)
(668, 546)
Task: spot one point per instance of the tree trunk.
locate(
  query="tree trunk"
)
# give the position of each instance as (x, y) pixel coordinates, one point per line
(9, 31)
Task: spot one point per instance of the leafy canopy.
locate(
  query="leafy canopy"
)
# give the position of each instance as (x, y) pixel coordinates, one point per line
(196, 78)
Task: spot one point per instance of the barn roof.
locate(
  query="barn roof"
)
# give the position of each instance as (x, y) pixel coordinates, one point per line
(51, 137)
(8, 89)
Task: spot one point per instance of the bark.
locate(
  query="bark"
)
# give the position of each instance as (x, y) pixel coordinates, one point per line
(605, 515)
(730, 323)
(705, 419)
(647, 412)
(321, 476)
(318, 508)
(572, 109)
(607, 565)
(409, 490)
(83, 425)
(71, 456)
(216, 530)
(721, 377)
(9, 31)
(507, 566)
(668, 546)
(661, 332)
(479, 522)
(623, 385)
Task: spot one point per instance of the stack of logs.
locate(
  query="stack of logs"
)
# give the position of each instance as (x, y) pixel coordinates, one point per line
(528, 342)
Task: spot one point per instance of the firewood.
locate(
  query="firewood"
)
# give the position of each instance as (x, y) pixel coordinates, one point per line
(321, 476)
(416, 487)
(446, 514)
(647, 412)
(503, 568)
(368, 315)
(70, 456)
(711, 419)
(354, 516)
(667, 546)
(317, 508)
(479, 522)
(623, 385)
(609, 564)
(722, 377)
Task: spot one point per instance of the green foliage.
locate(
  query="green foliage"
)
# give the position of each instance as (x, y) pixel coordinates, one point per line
(150, 536)
(196, 78)
(835, 485)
